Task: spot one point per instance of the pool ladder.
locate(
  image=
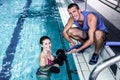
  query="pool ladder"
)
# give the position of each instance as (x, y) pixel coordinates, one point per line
(101, 66)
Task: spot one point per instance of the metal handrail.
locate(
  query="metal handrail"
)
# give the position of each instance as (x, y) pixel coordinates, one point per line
(101, 66)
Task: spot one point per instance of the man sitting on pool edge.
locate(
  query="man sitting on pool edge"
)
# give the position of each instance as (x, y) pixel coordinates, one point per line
(90, 29)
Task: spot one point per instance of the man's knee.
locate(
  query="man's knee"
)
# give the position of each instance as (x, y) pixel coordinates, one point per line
(70, 32)
(99, 35)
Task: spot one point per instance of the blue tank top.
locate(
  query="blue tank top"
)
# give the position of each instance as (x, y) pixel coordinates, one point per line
(100, 24)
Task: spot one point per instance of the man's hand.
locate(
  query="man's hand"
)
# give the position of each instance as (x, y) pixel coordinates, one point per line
(72, 44)
(73, 51)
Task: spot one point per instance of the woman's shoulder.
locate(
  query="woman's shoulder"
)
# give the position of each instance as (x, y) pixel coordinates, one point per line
(42, 56)
(42, 60)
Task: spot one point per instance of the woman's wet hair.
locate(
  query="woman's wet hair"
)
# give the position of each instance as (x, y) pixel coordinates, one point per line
(73, 4)
(43, 38)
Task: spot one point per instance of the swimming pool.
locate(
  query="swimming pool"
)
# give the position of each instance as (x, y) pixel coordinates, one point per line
(23, 22)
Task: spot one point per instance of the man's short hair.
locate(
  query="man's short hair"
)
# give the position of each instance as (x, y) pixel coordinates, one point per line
(73, 4)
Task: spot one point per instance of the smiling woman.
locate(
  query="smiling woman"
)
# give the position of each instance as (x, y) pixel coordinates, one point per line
(46, 60)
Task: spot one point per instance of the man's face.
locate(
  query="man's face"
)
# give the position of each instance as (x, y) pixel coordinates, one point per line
(74, 13)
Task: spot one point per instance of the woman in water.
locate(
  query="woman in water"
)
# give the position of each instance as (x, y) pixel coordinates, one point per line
(46, 60)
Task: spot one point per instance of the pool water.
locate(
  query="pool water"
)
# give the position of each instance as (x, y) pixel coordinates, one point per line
(23, 22)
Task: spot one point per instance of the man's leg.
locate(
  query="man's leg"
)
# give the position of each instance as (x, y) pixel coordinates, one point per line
(77, 34)
(100, 37)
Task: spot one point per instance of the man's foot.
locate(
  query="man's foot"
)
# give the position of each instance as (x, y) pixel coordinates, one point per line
(94, 59)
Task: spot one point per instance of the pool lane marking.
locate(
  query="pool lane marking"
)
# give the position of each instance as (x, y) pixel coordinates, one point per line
(5, 73)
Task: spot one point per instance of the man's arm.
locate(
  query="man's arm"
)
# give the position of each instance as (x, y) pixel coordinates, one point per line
(92, 21)
(66, 28)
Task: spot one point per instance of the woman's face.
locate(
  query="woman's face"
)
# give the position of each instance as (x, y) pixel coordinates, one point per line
(46, 44)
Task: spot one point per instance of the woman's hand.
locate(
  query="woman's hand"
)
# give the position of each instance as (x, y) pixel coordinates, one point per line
(49, 52)
(57, 65)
